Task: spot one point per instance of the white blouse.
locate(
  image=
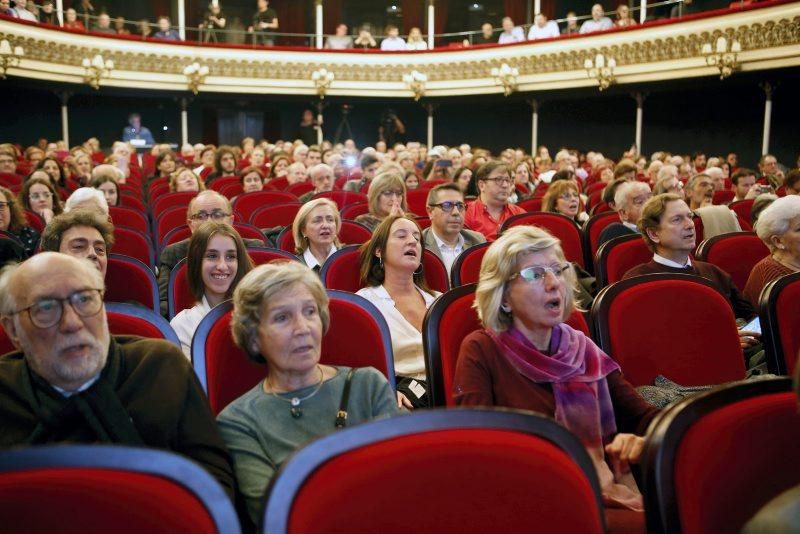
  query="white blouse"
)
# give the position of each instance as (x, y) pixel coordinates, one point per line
(186, 322)
(409, 358)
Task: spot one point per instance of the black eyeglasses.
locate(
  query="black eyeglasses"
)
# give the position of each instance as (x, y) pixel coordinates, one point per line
(216, 215)
(448, 205)
(45, 313)
(4, 205)
(499, 181)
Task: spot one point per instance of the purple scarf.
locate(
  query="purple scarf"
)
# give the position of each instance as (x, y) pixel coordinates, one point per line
(576, 369)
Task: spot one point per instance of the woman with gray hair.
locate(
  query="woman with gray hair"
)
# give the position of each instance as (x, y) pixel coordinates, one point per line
(280, 313)
(778, 227)
(386, 196)
(528, 358)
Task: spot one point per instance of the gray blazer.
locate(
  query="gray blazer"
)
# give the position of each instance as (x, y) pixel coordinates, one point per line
(470, 240)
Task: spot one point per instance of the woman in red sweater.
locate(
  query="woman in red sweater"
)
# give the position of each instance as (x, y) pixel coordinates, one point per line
(528, 358)
(779, 228)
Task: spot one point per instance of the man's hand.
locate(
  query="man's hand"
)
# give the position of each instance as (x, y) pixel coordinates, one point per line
(748, 339)
(624, 450)
(403, 402)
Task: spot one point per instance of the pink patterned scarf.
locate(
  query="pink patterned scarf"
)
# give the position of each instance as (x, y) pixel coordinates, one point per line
(577, 369)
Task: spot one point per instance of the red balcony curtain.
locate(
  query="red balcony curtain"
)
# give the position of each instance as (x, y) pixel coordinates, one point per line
(291, 19)
(440, 17)
(413, 15)
(332, 16)
(516, 10)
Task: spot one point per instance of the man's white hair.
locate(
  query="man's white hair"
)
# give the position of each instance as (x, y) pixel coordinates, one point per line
(83, 197)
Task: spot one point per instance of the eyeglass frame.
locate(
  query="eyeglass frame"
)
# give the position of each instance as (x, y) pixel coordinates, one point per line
(564, 267)
(454, 204)
(39, 196)
(61, 301)
(499, 180)
(6, 204)
(204, 215)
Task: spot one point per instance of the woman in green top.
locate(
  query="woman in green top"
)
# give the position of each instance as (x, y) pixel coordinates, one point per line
(280, 315)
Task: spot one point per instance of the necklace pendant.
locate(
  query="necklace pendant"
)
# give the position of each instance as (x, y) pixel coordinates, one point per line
(295, 401)
(296, 412)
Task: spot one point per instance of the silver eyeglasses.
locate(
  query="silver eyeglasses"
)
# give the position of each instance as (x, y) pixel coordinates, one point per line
(536, 274)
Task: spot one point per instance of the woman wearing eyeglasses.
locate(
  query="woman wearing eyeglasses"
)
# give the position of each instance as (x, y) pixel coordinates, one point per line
(39, 196)
(528, 358)
(386, 196)
(13, 221)
(563, 197)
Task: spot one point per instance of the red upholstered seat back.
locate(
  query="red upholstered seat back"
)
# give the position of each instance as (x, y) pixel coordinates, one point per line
(79, 500)
(169, 220)
(475, 480)
(133, 243)
(734, 460)
(417, 201)
(467, 267)
(789, 324)
(129, 280)
(595, 226)
(131, 218)
(735, 253)
(351, 211)
(779, 310)
(275, 215)
(723, 197)
(742, 208)
(300, 189)
(178, 294)
(560, 226)
(618, 256)
(248, 203)
(678, 326)
(531, 204)
(171, 200)
(343, 198)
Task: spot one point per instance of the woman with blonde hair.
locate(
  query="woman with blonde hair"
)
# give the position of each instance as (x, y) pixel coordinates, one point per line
(527, 357)
(563, 197)
(386, 196)
(184, 179)
(316, 231)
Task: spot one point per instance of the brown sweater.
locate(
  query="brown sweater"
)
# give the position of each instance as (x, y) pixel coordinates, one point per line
(156, 388)
(485, 377)
(763, 273)
(722, 280)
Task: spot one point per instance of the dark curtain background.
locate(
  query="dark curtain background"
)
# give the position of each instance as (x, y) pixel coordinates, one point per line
(441, 18)
(413, 15)
(516, 10)
(332, 16)
(292, 19)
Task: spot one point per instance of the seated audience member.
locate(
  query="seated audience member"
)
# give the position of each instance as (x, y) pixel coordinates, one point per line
(165, 32)
(463, 178)
(369, 164)
(528, 358)
(744, 185)
(279, 167)
(668, 182)
(225, 162)
(47, 15)
(572, 24)
(563, 197)
(510, 33)
(216, 261)
(781, 515)
(207, 205)
(393, 41)
(103, 24)
(80, 168)
(143, 29)
(667, 228)
(486, 36)
(761, 203)
(20, 7)
(629, 200)
(105, 178)
(39, 196)
(365, 39)
(71, 21)
(446, 237)
(316, 232)
(779, 229)
(598, 22)
(128, 390)
(119, 26)
(54, 170)
(386, 196)
(83, 234)
(166, 163)
(300, 153)
(610, 191)
(717, 177)
(339, 41)
(652, 171)
(87, 198)
(13, 221)
(277, 307)
(296, 173)
(8, 162)
(185, 180)
(792, 183)
(394, 280)
(490, 210)
(252, 179)
(522, 176)
(415, 40)
(543, 28)
(624, 17)
(313, 156)
(322, 178)
(699, 191)
(770, 171)
(207, 156)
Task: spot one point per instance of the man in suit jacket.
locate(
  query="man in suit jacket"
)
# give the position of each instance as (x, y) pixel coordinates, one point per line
(629, 200)
(447, 237)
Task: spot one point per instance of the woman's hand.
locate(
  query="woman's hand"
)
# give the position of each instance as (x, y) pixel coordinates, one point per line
(625, 449)
(748, 339)
(397, 210)
(403, 402)
(46, 214)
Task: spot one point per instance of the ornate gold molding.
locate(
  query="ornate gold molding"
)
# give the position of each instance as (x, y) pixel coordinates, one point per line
(769, 38)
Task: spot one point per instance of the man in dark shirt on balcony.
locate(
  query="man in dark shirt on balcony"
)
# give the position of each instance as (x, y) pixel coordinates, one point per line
(265, 18)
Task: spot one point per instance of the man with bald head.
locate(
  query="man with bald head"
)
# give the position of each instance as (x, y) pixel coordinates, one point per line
(207, 205)
(70, 381)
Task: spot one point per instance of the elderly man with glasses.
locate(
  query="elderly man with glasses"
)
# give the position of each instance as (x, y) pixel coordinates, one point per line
(208, 205)
(492, 207)
(446, 237)
(71, 381)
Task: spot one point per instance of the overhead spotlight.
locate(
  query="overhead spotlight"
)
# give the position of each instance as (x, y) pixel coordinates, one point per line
(475, 7)
(394, 9)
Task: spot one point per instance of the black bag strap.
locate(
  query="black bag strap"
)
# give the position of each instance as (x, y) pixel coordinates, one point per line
(341, 415)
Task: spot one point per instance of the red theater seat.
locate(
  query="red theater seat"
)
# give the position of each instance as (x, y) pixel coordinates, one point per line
(618, 256)
(417, 201)
(132, 320)
(130, 280)
(169, 220)
(466, 268)
(351, 211)
(248, 203)
(558, 225)
(343, 198)
(714, 459)
(135, 244)
(531, 205)
(676, 325)
(592, 229)
(110, 488)
(780, 322)
(277, 215)
(723, 197)
(735, 253)
(132, 218)
(351, 233)
(171, 200)
(479, 471)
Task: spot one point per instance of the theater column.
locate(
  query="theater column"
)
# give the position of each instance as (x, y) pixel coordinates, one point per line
(639, 97)
(60, 12)
(182, 19)
(184, 121)
(534, 104)
(430, 108)
(431, 30)
(64, 97)
(643, 12)
(318, 10)
(768, 90)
